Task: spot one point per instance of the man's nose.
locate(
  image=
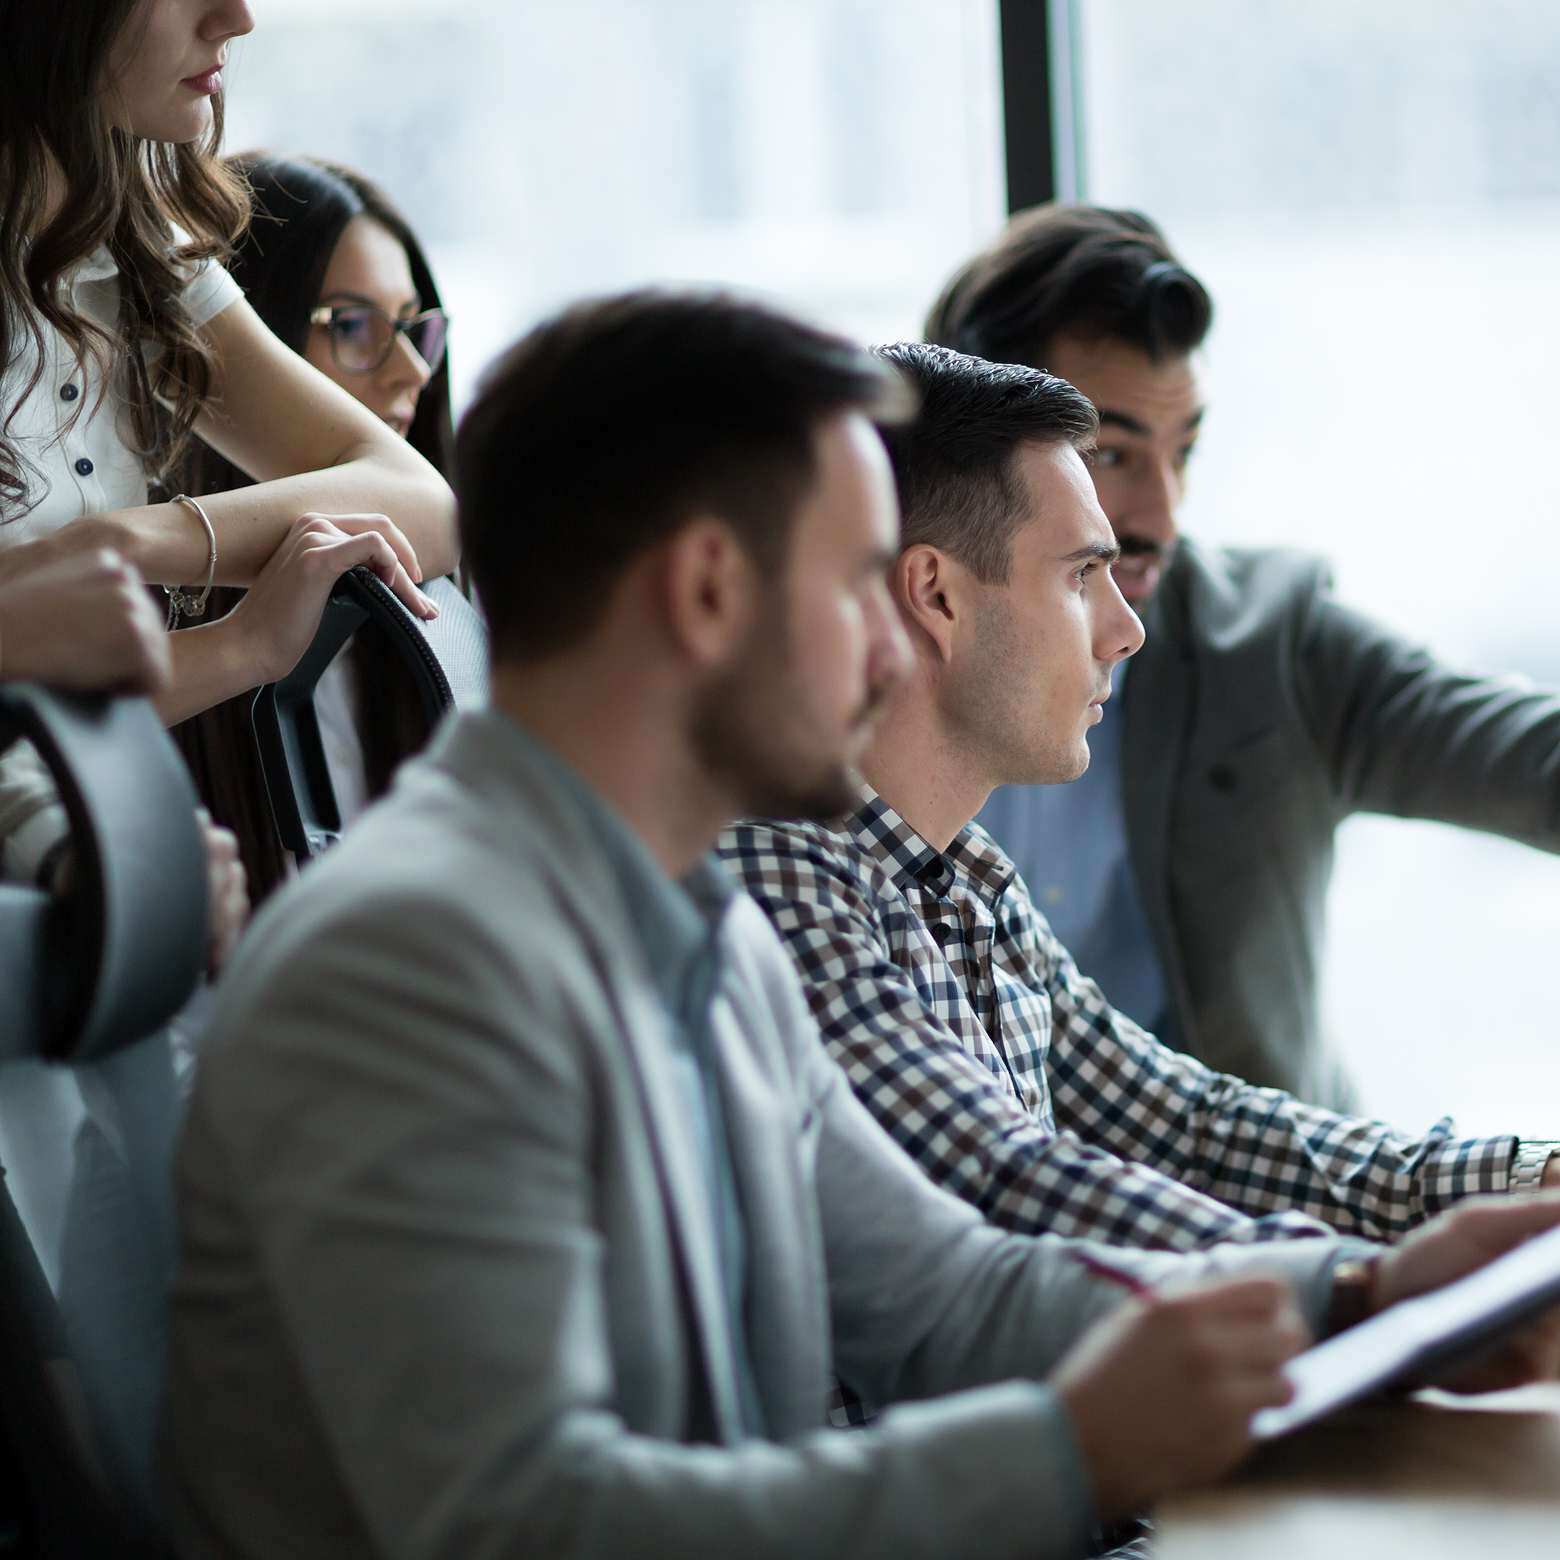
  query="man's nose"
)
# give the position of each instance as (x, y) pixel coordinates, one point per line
(1154, 500)
(1120, 633)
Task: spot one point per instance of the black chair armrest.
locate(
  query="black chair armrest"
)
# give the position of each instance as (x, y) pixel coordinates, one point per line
(287, 730)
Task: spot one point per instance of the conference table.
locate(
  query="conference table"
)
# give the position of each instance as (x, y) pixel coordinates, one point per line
(1415, 1477)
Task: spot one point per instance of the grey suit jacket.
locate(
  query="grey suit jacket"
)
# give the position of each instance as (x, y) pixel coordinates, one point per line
(1259, 714)
(446, 1281)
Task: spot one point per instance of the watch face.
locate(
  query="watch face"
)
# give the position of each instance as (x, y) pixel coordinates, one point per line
(1353, 1285)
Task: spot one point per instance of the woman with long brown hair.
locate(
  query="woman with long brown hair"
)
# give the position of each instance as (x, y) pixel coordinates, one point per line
(120, 334)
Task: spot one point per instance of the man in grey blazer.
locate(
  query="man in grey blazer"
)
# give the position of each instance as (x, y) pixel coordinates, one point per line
(1188, 870)
(522, 1212)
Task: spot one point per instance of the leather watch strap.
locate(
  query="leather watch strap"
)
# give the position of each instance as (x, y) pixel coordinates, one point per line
(1353, 1296)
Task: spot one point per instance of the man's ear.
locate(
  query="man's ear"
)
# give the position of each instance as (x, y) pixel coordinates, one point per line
(709, 590)
(931, 592)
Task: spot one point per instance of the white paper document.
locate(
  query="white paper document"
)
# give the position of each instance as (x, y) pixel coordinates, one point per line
(1417, 1336)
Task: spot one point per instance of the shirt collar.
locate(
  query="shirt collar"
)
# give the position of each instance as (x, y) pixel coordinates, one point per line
(972, 855)
(677, 922)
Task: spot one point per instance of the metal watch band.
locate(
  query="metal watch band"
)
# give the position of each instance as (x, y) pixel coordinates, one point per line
(1528, 1163)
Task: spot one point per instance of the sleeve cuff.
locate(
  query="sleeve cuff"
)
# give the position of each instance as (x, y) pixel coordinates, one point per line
(1000, 1461)
(210, 291)
(1306, 1266)
(1466, 1167)
(1075, 1506)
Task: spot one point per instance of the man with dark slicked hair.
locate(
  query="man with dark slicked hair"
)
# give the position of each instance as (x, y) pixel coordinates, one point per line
(1188, 870)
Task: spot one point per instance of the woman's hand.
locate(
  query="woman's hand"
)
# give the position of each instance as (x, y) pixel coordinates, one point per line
(80, 620)
(408, 570)
(264, 636)
(280, 614)
(227, 895)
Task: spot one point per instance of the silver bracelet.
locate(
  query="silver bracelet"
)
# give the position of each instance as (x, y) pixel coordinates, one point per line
(184, 602)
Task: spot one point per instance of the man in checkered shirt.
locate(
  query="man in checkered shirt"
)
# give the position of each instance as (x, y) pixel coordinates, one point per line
(959, 1018)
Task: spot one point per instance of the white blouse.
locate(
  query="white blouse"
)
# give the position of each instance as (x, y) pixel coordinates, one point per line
(72, 469)
(92, 465)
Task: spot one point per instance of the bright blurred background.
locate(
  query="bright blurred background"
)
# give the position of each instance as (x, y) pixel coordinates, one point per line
(1371, 192)
(840, 155)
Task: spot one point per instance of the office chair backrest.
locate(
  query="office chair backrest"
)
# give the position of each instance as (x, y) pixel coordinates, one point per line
(89, 1105)
(447, 664)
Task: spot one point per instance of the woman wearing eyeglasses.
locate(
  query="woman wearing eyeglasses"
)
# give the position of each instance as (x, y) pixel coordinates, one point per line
(337, 273)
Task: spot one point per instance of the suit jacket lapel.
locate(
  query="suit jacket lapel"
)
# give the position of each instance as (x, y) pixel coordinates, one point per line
(588, 895)
(642, 1027)
(1160, 703)
(785, 1323)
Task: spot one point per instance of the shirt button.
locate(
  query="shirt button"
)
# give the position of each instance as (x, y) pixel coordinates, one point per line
(69, 392)
(84, 467)
(942, 934)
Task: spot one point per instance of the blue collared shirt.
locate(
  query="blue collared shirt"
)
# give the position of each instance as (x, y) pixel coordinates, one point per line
(678, 924)
(1069, 843)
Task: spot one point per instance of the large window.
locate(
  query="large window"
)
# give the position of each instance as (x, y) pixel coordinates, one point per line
(839, 155)
(1372, 193)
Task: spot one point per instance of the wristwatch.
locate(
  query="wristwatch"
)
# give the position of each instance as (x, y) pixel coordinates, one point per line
(1353, 1296)
(1527, 1164)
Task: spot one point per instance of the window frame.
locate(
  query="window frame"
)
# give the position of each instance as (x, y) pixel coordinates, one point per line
(1042, 146)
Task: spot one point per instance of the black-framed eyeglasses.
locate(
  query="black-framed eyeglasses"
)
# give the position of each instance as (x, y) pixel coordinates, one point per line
(362, 335)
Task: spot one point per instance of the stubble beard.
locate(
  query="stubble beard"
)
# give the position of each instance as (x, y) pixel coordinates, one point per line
(749, 733)
(996, 722)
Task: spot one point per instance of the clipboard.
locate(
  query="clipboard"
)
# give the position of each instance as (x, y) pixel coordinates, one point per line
(1420, 1338)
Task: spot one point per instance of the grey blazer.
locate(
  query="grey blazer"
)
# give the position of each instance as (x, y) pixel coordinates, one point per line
(1259, 714)
(446, 1279)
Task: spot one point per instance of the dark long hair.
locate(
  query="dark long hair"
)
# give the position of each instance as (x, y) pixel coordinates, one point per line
(120, 190)
(300, 208)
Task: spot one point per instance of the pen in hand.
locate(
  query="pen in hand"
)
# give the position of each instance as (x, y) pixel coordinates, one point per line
(1113, 1275)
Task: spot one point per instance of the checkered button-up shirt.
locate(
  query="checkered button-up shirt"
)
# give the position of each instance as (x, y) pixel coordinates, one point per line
(967, 1030)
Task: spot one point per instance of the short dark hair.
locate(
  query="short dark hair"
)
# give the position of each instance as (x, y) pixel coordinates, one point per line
(1086, 271)
(609, 426)
(953, 461)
